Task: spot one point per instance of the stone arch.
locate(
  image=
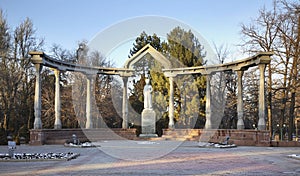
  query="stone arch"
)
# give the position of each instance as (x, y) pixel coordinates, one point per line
(148, 49)
(160, 58)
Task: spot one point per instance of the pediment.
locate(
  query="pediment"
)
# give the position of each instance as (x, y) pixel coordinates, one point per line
(148, 49)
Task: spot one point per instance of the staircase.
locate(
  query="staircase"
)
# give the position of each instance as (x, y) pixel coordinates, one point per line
(181, 134)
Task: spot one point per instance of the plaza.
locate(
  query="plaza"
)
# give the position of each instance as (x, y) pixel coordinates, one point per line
(186, 159)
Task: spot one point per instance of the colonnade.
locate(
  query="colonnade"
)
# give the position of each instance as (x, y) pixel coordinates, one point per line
(57, 100)
(240, 112)
(39, 59)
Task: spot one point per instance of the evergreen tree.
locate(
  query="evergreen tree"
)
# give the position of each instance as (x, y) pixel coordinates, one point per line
(183, 49)
(186, 48)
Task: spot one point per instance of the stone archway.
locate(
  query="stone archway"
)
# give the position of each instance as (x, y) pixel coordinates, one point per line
(160, 58)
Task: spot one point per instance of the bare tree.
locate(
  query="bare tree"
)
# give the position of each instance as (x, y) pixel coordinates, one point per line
(276, 30)
(17, 77)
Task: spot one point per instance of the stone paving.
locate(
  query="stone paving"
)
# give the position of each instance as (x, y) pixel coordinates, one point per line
(181, 159)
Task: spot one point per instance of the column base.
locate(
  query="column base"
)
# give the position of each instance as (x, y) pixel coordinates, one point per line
(37, 123)
(171, 126)
(261, 127)
(261, 124)
(89, 126)
(240, 127)
(57, 127)
(240, 124)
(208, 125)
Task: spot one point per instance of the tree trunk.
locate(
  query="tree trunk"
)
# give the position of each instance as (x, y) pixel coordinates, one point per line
(292, 117)
(270, 122)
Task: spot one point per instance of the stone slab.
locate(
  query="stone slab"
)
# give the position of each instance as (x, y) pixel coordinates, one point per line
(148, 135)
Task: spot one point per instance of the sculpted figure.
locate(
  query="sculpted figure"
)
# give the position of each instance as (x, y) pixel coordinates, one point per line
(147, 95)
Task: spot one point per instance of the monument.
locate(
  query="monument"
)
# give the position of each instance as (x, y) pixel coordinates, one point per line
(148, 114)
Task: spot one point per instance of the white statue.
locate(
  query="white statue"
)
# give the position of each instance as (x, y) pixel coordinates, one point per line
(147, 95)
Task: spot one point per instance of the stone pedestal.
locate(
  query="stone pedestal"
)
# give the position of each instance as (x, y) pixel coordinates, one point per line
(148, 123)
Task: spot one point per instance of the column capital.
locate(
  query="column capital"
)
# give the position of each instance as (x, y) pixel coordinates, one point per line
(262, 67)
(124, 78)
(36, 57)
(240, 73)
(55, 70)
(170, 74)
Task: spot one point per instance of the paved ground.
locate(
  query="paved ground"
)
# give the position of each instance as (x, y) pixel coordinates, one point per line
(169, 159)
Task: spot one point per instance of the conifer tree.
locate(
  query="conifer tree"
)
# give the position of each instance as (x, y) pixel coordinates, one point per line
(184, 50)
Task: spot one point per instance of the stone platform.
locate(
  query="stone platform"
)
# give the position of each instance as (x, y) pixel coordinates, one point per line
(55, 136)
(238, 137)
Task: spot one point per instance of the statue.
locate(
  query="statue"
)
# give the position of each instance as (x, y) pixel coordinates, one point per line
(147, 94)
(148, 114)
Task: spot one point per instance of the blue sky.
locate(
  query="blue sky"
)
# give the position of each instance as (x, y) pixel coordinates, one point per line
(66, 22)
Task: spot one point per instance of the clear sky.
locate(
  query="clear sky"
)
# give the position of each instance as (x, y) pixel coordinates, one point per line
(66, 22)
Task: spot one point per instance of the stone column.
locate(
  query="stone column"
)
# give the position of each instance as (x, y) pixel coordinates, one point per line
(240, 112)
(38, 97)
(171, 103)
(125, 104)
(261, 109)
(208, 124)
(89, 122)
(57, 123)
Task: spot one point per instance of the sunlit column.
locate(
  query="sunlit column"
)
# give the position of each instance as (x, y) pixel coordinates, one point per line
(37, 97)
(125, 104)
(261, 110)
(171, 103)
(240, 112)
(208, 124)
(57, 123)
(89, 122)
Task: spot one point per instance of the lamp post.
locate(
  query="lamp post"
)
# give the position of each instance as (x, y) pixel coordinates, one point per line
(281, 130)
(278, 129)
(284, 126)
